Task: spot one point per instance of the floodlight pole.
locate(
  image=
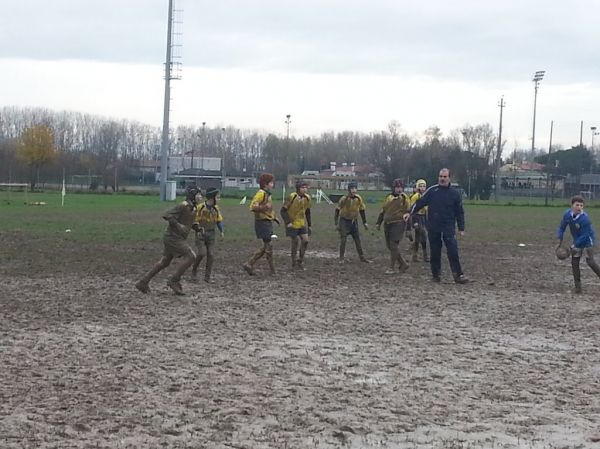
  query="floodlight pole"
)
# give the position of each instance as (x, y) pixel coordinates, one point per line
(169, 75)
(537, 77)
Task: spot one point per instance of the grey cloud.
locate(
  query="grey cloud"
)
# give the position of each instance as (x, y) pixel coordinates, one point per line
(463, 39)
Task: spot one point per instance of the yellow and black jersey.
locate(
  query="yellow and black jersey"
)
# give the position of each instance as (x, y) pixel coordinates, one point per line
(413, 199)
(295, 209)
(208, 216)
(262, 206)
(350, 206)
(394, 207)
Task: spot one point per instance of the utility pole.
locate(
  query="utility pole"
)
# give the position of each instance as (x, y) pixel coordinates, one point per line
(594, 133)
(223, 158)
(548, 164)
(581, 135)
(288, 120)
(170, 74)
(502, 105)
(203, 144)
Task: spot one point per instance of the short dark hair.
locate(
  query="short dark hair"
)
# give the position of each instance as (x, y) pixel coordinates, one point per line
(577, 199)
(264, 179)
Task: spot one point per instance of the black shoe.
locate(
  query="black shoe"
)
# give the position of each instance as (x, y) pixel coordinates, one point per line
(461, 279)
(437, 279)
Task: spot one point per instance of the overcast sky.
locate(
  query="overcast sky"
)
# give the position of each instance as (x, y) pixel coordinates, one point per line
(331, 64)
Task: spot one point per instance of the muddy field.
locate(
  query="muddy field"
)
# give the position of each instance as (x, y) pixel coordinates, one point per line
(332, 357)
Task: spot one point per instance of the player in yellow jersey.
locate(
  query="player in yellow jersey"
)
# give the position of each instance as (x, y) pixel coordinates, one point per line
(348, 209)
(296, 216)
(264, 216)
(419, 223)
(395, 205)
(207, 220)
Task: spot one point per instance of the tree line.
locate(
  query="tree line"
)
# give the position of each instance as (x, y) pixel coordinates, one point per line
(38, 145)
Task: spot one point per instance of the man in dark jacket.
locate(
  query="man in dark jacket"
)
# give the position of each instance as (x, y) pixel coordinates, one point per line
(445, 213)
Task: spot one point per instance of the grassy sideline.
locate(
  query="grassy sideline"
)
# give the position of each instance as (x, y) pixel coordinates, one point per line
(135, 219)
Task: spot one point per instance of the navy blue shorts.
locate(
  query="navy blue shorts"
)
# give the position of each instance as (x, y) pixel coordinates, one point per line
(263, 229)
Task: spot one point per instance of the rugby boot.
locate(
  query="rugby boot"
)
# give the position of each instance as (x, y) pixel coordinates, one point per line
(142, 286)
(175, 286)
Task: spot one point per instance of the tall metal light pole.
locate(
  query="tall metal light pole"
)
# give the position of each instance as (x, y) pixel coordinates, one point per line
(170, 74)
(537, 77)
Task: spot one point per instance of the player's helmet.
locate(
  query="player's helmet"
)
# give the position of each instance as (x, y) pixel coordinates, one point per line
(397, 183)
(562, 253)
(352, 185)
(211, 193)
(300, 184)
(191, 191)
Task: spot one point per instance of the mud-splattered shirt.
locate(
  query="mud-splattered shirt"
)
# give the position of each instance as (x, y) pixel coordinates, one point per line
(394, 207)
(182, 214)
(350, 206)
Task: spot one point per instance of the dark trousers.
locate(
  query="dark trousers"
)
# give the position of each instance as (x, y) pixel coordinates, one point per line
(435, 243)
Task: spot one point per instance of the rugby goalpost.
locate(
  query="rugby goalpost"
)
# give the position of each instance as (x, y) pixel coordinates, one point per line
(323, 196)
(16, 186)
(320, 196)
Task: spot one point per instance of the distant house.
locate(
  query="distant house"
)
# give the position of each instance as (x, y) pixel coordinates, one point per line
(528, 179)
(338, 176)
(528, 175)
(240, 181)
(586, 184)
(200, 177)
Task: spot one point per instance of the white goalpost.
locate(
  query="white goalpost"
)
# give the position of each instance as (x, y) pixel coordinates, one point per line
(323, 196)
(14, 186)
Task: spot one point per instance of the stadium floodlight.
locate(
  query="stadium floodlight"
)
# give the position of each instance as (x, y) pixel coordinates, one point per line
(537, 77)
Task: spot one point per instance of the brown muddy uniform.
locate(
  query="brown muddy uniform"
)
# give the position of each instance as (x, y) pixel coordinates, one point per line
(394, 226)
(180, 219)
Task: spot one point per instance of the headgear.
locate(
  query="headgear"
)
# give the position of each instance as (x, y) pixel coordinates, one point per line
(211, 193)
